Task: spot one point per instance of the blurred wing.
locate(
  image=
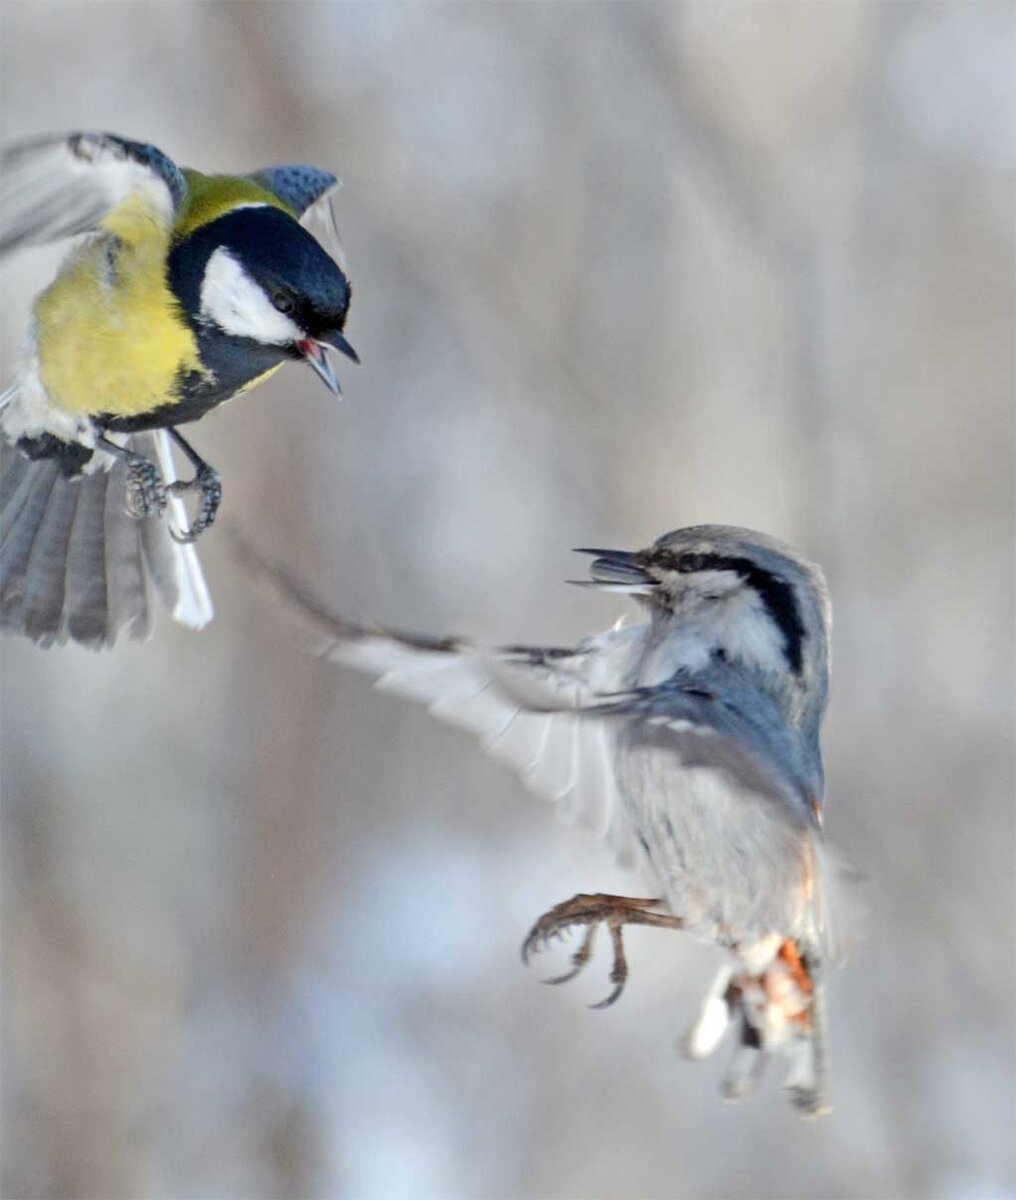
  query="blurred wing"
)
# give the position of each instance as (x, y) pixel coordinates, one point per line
(60, 186)
(522, 703)
(309, 192)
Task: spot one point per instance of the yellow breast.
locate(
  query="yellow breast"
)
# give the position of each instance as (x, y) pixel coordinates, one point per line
(109, 334)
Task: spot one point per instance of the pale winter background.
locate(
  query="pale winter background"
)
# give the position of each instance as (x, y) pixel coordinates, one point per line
(618, 268)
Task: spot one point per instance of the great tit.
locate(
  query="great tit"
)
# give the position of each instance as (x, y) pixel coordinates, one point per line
(188, 290)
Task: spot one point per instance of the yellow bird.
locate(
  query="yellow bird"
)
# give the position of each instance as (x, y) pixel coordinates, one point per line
(188, 290)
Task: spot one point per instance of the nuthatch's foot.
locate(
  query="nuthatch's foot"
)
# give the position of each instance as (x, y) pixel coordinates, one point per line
(591, 910)
(146, 493)
(206, 481)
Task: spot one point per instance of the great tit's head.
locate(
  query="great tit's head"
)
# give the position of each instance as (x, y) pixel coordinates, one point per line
(257, 275)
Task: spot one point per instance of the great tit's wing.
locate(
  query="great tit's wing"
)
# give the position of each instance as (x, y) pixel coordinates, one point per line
(297, 185)
(75, 565)
(309, 192)
(66, 184)
(522, 702)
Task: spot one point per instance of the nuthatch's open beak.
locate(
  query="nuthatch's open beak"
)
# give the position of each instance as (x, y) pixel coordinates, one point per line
(314, 354)
(617, 571)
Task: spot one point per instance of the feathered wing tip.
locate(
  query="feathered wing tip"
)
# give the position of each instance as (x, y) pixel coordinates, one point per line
(842, 912)
(74, 565)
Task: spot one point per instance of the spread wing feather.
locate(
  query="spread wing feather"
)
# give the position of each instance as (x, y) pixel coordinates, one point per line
(309, 192)
(522, 703)
(298, 185)
(63, 185)
(74, 564)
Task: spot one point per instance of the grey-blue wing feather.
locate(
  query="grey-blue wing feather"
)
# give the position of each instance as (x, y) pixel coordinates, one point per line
(296, 184)
(719, 719)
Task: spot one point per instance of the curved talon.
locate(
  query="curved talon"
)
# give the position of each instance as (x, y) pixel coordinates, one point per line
(185, 537)
(566, 977)
(580, 958)
(619, 971)
(614, 996)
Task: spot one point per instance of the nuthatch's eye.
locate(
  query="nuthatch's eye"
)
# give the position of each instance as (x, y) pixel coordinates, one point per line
(691, 562)
(283, 301)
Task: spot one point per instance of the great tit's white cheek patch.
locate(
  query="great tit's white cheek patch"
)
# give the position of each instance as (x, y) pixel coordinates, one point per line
(236, 304)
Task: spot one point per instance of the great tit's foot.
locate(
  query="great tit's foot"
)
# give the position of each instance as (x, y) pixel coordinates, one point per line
(206, 481)
(146, 493)
(591, 911)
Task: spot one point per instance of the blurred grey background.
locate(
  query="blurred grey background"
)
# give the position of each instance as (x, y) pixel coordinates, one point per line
(618, 268)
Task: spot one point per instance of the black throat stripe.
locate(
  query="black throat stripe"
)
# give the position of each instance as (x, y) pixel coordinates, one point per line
(776, 595)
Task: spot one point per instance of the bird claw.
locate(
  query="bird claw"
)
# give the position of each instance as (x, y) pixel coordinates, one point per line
(146, 493)
(591, 911)
(568, 975)
(206, 481)
(614, 996)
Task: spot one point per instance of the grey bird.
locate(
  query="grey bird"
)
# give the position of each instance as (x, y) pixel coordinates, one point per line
(690, 742)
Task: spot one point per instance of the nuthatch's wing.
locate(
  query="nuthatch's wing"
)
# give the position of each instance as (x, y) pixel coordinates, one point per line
(742, 792)
(524, 703)
(718, 719)
(63, 185)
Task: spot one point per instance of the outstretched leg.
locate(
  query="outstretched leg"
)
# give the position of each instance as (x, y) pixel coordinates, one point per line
(592, 910)
(206, 481)
(146, 492)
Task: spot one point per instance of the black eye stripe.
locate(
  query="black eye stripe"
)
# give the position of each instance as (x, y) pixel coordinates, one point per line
(775, 593)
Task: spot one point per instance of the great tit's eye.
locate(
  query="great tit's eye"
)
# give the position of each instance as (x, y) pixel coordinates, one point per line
(283, 301)
(691, 562)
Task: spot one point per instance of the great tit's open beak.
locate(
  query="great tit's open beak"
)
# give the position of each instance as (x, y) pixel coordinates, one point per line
(617, 571)
(314, 353)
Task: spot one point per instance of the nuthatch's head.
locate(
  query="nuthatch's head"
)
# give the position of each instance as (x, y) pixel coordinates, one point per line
(752, 594)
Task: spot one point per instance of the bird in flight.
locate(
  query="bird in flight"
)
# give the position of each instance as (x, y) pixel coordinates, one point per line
(689, 742)
(187, 290)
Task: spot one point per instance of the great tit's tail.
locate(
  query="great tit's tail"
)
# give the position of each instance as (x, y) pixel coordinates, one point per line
(778, 1010)
(75, 565)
